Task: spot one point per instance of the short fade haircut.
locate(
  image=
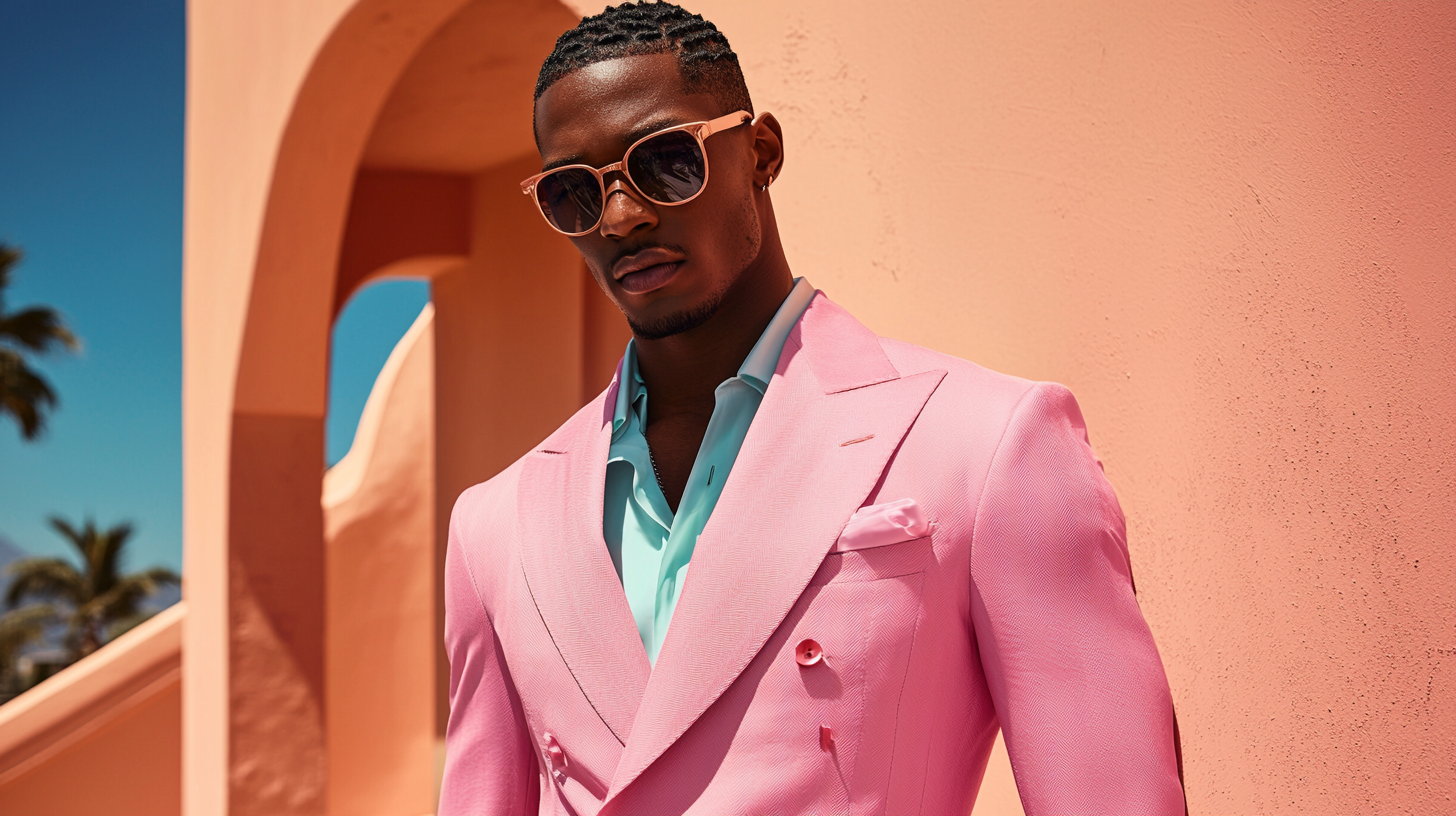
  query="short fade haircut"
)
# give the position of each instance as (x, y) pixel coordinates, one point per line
(704, 59)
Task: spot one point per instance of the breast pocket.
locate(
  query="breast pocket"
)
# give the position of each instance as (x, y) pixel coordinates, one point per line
(872, 564)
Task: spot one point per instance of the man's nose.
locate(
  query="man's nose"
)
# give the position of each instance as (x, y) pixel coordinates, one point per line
(626, 211)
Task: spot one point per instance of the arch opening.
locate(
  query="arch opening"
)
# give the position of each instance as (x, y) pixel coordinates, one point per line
(399, 159)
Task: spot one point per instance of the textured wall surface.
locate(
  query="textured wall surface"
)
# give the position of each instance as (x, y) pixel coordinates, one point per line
(379, 525)
(131, 766)
(1227, 226)
(1230, 228)
(104, 734)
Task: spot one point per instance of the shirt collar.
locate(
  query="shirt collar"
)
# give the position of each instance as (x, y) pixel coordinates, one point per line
(757, 369)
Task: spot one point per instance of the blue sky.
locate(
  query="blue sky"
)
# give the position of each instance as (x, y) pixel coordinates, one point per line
(91, 157)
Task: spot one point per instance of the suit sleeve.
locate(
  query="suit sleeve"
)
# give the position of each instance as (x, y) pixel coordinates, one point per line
(1071, 664)
(490, 765)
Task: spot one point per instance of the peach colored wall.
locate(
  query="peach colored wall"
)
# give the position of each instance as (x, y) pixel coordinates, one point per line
(394, 216)
(1230, 228)
(104, 735)
(281, 97)
(379, 523)
(131, 767)
(289, 104)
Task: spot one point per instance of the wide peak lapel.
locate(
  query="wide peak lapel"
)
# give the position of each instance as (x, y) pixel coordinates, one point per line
(568, 569)
(843, 353)
(819, 442)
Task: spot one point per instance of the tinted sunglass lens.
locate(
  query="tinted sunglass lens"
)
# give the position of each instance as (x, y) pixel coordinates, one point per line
(571, 200)
(668, 168)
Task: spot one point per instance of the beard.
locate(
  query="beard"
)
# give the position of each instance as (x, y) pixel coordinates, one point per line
(679, 322)
(695, 316)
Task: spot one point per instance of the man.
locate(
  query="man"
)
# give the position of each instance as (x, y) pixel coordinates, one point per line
(781, 565)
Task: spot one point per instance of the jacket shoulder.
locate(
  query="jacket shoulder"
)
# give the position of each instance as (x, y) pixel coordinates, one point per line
(974, 403)
(487, 500)
(964, 379)
(484, 511)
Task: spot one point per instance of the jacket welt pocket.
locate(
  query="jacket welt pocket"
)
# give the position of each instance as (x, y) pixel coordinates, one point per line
(875, 563)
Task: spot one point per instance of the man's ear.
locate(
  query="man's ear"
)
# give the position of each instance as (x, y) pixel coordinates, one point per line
(768, 148)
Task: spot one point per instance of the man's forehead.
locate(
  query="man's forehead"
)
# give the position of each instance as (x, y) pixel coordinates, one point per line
(615, 100)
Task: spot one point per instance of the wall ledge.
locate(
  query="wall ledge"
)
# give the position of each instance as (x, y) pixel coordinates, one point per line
(84, 697)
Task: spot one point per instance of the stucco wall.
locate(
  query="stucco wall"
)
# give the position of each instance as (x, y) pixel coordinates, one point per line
(1227, 226)
(379, 524)
(1230, 228)
(105, 734)
(130, 767)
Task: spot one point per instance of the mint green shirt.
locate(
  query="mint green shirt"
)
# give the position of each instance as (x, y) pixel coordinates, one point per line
(649, 546)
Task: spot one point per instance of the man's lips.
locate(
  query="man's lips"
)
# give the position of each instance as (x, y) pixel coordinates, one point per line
(646, 270)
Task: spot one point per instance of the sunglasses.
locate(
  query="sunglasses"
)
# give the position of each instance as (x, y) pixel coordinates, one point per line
(669, 167)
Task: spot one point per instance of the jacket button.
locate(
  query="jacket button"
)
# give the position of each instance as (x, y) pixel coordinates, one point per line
(808, 652)
(555, 756)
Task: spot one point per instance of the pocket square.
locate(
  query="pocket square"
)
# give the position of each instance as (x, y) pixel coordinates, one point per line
(882, 524)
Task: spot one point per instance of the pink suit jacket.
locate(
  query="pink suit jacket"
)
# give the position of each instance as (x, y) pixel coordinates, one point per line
(1015, 610)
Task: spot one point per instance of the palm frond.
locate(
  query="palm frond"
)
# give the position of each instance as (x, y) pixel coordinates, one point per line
(106, 550)
(102, 600)
(19, 629)
(121, 626)
(80, 539)
(44, 577)
(39, 329)
(162, 576)
(9, 259)
(21, 626)
(24, 394)
(121, 600)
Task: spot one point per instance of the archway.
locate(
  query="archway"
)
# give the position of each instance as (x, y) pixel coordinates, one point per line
(399, 155)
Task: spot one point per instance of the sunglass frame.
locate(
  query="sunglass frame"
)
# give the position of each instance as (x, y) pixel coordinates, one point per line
(699, 131)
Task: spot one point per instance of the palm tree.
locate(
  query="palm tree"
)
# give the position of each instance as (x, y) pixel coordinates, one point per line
(99, 598)
(17, 630)
(25, 394)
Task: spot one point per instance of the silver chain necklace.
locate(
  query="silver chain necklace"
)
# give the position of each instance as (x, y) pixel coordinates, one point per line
(652, 461)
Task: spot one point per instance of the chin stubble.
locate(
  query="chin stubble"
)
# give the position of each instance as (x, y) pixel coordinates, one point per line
(691, 318)
(683, 321)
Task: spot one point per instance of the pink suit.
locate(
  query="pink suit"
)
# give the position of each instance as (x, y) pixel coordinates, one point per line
(1013, 607)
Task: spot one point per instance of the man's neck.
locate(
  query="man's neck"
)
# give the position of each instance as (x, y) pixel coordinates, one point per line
(683, 371)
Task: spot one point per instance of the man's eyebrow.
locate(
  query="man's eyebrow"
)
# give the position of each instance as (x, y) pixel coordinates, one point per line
(652, 126)
(646, 129)
(561, 162)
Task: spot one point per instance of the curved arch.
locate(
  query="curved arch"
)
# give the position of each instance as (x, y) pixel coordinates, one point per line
(265, 750)
(283, 360)
(349, 197)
